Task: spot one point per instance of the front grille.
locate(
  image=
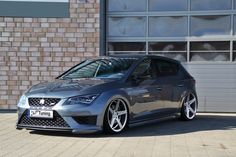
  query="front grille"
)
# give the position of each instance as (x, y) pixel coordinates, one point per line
(56, 122)
(46, 102)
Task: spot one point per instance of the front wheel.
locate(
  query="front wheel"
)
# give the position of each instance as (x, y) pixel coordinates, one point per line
(189, 107)
(116, 116)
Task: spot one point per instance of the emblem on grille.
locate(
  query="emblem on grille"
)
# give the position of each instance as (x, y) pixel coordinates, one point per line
(42, 101)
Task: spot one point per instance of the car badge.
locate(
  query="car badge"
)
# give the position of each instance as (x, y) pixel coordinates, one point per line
(42, 101)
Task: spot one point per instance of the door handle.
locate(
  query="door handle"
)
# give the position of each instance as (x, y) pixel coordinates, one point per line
(180, 85)
(159, 88)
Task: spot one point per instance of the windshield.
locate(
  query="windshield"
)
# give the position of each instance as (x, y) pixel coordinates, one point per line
(100, 68)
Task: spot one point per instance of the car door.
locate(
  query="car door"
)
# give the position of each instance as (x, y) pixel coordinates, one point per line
(145, 92)
(167, 76)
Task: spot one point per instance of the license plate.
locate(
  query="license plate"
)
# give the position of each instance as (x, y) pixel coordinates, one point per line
(41, 114)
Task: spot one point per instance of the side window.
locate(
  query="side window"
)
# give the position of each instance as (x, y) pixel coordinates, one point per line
(144, 70)
(166, 68)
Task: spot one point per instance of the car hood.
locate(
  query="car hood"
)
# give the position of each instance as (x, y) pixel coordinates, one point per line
(67, 88)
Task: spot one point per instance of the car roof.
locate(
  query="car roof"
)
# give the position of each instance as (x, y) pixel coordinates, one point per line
(140, 57)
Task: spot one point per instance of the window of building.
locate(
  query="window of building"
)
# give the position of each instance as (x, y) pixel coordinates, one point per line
(175, 26)
(172, 28)
(234, 25)
(210, 25)
(168, 5)
(127, 5)
(126, 26)
(210, 5)
(174, 50)
(126, 47)
(210, 51)
(234, 51)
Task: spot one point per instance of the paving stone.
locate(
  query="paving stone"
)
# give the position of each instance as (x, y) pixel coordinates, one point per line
(170, 138)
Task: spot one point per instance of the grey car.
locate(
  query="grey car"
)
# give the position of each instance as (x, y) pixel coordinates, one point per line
(110, 94)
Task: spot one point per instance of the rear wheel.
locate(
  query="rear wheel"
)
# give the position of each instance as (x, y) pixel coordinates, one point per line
(116, 116)
(189, 107)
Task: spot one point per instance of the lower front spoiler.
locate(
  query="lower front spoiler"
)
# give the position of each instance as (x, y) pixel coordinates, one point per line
(57, 129)
(20, 127)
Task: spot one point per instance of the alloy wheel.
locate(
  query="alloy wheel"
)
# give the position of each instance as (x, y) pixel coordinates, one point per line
(117, 115)
(190, 106)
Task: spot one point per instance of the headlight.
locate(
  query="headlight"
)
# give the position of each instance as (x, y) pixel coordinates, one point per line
(22, 101)
(84, 99)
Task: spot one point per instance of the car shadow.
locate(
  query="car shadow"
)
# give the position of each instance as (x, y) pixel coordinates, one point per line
(162, 128)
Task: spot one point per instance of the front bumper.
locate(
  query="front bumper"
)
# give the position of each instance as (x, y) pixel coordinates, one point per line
(71, 118)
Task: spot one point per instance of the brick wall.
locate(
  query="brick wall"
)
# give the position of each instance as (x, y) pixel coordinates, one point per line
(36, 49)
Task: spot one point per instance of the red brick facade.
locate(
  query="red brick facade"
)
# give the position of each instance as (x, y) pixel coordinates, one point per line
(33, 50)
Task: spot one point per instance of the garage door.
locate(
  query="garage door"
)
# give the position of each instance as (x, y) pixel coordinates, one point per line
(199, 33)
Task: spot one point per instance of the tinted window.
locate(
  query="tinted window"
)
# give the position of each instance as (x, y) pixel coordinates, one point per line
(145, 70)
(166, 68)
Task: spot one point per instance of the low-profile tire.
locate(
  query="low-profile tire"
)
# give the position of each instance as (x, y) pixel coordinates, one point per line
(189, 107)
(116, 117)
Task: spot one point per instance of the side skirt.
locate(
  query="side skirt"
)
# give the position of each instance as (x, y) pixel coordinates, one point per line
(154, 120)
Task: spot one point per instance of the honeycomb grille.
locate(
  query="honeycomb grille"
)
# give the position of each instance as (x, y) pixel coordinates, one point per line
(56, 122)
(46, 102)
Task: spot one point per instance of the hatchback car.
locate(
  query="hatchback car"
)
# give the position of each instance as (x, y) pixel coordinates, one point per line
(109, 93)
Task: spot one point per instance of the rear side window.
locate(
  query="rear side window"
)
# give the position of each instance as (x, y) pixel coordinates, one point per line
(144, 69)
(166, 68)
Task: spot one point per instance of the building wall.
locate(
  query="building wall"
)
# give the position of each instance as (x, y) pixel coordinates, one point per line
(33, 50)
(199, 33)
(216, 86)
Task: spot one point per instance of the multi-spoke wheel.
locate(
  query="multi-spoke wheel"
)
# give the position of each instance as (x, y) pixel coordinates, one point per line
(189, 107)
(116, 116)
